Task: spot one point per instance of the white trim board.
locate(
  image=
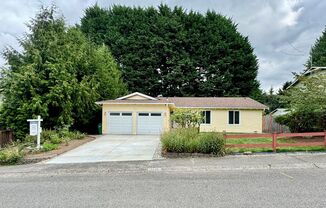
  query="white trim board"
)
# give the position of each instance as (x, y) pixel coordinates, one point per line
(134, 94)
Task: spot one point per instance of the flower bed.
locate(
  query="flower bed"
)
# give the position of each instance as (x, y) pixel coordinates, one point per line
(50, 141)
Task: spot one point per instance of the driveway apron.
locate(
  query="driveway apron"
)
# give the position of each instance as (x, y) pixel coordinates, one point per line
(111, 148)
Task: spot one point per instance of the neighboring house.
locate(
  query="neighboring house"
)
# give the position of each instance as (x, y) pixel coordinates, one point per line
(137, 113)
(314, 71)
(279, 112)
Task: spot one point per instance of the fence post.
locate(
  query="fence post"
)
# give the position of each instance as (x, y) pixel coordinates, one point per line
(224, 136)
(11, 136)
(271, 129)
(325, 138)
(274, 141)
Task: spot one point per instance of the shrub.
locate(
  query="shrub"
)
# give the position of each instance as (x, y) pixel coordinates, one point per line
(48, 146)
(211, 143)
(30, 139)
(46, 135)
(187, 118)
(303, 121)
(190, 141)
(76, 135)
(55, 139)
(11, 155)
(64, 132)
(71, 135)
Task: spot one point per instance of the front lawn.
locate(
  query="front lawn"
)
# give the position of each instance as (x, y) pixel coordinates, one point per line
(269, 141)
(188, 140)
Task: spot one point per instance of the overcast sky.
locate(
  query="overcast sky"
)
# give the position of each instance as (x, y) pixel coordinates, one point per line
(281, 31)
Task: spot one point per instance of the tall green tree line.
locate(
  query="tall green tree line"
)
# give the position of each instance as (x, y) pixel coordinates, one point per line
(317, 56)
(175, 53)
(59, 75)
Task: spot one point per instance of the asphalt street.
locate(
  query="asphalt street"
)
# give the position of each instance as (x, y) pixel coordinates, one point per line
(201, 182)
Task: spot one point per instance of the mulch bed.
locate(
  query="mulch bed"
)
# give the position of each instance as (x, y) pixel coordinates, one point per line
(40, 156)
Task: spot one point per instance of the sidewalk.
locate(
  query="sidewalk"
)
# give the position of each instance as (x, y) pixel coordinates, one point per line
(187, 165)
(277, 161)
(242, 162)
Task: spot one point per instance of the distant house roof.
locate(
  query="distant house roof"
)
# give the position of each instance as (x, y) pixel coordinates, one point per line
(279, 112)
(312, 70)
(190, 102)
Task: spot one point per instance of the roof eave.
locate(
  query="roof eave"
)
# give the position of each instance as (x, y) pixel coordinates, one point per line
(233, 107)
(115, 103)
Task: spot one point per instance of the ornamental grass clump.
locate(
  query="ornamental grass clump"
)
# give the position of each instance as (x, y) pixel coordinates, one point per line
(11, 155)
(189, 140)
(211, 143)
(178, 140)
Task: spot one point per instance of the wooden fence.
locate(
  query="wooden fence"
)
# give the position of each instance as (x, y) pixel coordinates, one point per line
(274, 137)
(271, 126)
(6, 137)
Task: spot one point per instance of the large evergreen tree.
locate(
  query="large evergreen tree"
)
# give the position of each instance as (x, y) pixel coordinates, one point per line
(317, 55)
(59, 75)
(175, 53)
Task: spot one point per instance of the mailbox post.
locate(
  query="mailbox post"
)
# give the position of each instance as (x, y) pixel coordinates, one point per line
(35, 129)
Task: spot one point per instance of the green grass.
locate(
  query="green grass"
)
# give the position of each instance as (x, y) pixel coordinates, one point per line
(249, 141)
(268, 141)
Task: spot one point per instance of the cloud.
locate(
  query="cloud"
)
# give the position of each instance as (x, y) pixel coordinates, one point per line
(281, 31)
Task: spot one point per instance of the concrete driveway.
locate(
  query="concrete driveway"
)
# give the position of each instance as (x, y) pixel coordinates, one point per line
(111, 148)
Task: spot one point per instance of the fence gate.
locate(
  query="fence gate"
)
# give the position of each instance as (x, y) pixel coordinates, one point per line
(6, 137)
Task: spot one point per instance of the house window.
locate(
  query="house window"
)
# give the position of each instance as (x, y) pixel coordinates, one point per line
(143, 114)
(206, 117)
(234, 117)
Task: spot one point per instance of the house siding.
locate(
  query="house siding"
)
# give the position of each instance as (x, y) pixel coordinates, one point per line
(250, 121)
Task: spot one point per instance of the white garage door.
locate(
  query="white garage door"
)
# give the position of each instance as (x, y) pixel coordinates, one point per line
(119, 122)
(149, 123)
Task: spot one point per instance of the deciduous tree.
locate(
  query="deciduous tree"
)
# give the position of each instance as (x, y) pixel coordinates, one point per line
(307, 104)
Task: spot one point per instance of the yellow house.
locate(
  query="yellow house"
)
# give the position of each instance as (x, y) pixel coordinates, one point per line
(138, 113)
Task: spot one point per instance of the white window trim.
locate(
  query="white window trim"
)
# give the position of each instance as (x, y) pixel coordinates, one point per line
(234, 118)
(107, 113)
(210, 119)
